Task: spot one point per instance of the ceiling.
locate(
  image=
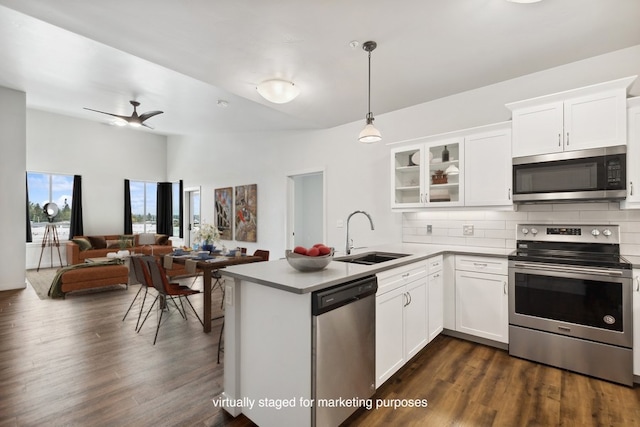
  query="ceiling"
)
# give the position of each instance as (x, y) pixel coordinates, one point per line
(183, 56)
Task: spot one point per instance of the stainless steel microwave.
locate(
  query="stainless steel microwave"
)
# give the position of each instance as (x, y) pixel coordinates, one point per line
(583, 175)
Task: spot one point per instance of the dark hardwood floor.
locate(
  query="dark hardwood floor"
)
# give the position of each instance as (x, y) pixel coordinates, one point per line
(74, 362)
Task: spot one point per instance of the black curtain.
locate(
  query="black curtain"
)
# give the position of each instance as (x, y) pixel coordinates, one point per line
(76, 227)
(128, 222)
(29, 236)
(164, 214)
(180, 218)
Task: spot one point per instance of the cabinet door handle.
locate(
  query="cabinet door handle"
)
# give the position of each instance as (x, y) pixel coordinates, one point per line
(631, 188)
(637, 283)
(567, 138)
(435, 276)
(405, 275)
(559, 140)
(480, 264)
(410, 299)
(504, 287)
(509, 194)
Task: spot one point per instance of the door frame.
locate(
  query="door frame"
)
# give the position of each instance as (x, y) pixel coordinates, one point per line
(187, 212)
(289, 225)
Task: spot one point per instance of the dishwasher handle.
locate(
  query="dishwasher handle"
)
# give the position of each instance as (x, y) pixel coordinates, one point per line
(342, 294)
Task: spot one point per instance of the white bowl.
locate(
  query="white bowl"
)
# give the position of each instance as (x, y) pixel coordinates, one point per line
(308, 263)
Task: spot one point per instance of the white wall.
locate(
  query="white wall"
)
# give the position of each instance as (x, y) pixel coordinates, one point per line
(357, 175)
(103, 155)
(12, 188)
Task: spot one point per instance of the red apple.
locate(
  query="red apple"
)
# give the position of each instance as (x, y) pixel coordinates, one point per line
(300, 250)
(313, 252)
(324, 250)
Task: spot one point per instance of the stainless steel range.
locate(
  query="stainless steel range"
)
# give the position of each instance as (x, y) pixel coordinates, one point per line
(570, 302)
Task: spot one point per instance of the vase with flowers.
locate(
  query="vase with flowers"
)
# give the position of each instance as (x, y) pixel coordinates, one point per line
(208, 234)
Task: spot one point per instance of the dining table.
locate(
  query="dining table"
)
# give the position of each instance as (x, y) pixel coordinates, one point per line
(207, 266)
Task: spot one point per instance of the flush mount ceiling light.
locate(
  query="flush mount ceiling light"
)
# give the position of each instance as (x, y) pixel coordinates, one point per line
(369, 134)
(278, 91)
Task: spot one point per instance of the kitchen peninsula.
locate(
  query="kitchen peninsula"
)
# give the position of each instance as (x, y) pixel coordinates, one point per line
(268, 330)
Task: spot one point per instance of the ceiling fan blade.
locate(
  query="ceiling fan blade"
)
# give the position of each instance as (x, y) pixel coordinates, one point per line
(109, 114)
(146, 125)
(149, 114)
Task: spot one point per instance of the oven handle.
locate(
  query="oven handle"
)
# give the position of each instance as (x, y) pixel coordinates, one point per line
(568, 269)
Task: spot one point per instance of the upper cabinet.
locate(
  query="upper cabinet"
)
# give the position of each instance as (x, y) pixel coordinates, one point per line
(633, 152)
(428, 174)
(590, 117)
(488, 167)
(471, 167)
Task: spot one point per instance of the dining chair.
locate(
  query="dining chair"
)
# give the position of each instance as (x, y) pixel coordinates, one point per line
(141, 275)
(167, 292)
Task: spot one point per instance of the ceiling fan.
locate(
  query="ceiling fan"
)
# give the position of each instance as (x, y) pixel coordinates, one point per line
(134, 120)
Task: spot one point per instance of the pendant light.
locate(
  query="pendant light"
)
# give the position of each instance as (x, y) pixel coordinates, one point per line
(369, 134)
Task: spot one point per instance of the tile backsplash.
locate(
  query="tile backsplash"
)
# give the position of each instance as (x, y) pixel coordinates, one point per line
(495, 228)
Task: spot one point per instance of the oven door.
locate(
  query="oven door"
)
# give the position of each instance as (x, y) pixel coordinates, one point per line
(589, 303)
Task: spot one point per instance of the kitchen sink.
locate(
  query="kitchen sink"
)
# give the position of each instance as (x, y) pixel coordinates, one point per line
(371, 258)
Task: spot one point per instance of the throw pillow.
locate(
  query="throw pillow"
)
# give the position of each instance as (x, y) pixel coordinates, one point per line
(98, 242)
(113, 244)
(84, 243)
(161, 239)
(129, 240)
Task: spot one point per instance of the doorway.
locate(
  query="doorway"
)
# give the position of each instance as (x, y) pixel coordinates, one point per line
(306, 209)
(192, 196)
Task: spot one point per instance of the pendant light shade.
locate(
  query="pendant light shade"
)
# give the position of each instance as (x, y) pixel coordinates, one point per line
(278, 91)
(369, 134)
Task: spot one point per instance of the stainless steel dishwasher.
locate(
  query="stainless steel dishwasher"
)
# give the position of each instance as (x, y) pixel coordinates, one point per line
(343, 350)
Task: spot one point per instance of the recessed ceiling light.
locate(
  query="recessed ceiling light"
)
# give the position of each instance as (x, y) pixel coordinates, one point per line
(222, 103)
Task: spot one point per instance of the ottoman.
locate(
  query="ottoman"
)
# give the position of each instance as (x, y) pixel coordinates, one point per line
(94, 277)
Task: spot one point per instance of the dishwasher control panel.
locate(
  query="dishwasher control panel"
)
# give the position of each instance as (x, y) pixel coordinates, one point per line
(342, 294)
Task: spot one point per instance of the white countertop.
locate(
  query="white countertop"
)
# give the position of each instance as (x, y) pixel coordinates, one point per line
(279, 274)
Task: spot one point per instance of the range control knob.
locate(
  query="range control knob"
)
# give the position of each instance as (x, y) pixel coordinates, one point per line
(595, 232)
(606, 232)
(534, 231)
(525, 231)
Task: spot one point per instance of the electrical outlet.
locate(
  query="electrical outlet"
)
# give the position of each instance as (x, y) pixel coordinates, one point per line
(429, 229)
(467, 230)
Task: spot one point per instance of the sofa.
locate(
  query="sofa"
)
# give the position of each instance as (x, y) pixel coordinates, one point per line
(82, 247)
(93, 275)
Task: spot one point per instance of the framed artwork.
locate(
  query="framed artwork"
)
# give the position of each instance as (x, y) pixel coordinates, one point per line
(224, 205)
(246, 210)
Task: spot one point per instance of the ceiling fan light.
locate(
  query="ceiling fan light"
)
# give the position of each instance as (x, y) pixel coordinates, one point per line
(119, 122)
(278, 91)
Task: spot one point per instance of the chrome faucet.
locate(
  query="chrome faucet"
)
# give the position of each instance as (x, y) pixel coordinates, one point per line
(349, 242)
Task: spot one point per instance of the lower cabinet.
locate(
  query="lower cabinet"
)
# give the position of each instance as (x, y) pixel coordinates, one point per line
(435, 297)
(481, 297)
(636, 322)
(401, 318)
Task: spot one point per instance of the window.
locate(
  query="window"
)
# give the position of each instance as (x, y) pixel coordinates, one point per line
(143, 206)
(45, 188)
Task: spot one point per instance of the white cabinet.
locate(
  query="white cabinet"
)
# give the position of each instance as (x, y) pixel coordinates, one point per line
(584, 118)
(481, 297)
(401, 317)
(428, 174)
(636, 322)
(435, 283)
(633, 153)
(488, 167)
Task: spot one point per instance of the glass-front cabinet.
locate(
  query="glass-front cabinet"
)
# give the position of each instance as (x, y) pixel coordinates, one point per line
(429, 174)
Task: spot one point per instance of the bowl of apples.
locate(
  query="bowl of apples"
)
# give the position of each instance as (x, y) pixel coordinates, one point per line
(314, 258)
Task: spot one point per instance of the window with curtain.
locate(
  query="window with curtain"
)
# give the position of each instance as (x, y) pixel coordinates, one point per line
(42, 189)
(143, 206)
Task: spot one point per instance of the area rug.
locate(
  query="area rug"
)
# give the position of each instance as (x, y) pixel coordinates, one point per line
(41, 280)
